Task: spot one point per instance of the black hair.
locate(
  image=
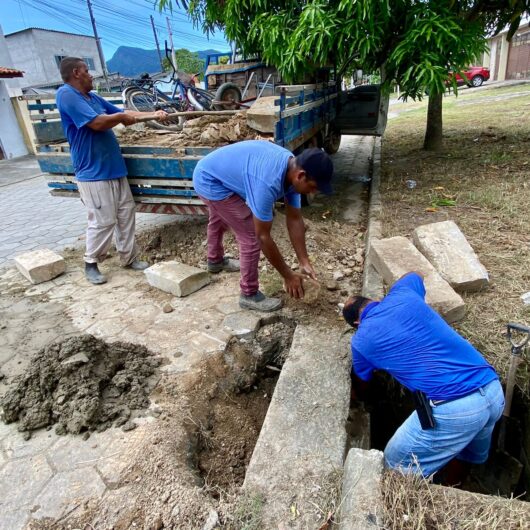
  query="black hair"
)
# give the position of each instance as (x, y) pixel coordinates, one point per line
(67, 66)
(351, 312)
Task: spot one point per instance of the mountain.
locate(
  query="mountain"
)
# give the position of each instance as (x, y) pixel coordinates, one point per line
(129, 61)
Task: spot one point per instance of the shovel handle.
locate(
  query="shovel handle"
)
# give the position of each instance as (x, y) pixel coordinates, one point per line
(510, 383)
(517, 345)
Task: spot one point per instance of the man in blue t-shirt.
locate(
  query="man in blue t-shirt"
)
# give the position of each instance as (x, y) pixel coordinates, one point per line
(461, 392)
(240, 184)
(99, 167)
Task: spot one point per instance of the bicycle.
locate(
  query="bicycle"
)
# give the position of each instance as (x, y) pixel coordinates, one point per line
(143, 95)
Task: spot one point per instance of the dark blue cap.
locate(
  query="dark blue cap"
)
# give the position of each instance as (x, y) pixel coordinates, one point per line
(318, 166)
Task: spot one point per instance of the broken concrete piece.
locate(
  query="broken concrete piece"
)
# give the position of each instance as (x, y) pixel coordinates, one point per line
(78, 358)
(263, 115)
(446, 247)
(242, 324)
(303, 439)
(395, 256)
(311, 291)
(361, 506)
(176, 278)
(40, 265)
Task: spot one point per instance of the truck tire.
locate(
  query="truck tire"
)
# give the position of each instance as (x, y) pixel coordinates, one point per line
(332, 142)
(230, 93)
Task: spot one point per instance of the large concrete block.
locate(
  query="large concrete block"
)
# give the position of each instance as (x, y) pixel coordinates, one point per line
(361, 506)
(446, 247)
(40, 265)
(395, 256)
(263, 115)
(176, 278)
(303, 439)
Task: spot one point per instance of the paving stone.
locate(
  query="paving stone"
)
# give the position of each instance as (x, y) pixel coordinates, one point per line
(14, 520)
(38, 290)
(66, 490)
(303, 439)
(40, 265)
(231, 305)
(22, 480)
(106, 327)
(176, 278)
(395, 256)
(243, 324)
(446, 247)
(361, 506)
(16, 447)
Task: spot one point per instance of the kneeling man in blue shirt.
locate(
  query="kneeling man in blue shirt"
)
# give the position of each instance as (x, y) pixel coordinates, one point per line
(403, 336)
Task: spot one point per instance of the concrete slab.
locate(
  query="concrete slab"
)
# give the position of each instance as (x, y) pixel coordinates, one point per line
(361, 501)
(176, 278)
(395, 256)
(262, 115)
(40, 265)
(303, 439)
(446, 247)
(242, 324)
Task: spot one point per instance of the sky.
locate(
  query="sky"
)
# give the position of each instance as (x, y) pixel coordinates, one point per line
(119, 23)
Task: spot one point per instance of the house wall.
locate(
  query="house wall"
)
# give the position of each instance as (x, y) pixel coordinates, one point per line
(34, 51)
(518, 66)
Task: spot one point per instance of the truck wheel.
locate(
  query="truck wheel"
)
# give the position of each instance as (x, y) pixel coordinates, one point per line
(230, 93)
(332, 142)
(477, 80)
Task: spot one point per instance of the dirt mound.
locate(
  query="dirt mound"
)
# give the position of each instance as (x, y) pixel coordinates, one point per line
(81, 384)
(207, 131)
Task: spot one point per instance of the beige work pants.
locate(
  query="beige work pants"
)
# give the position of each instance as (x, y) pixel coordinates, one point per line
(111, 210)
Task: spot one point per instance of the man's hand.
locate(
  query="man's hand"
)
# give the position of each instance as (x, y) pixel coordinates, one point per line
(307, 269)
(161, 115)
(294, 285)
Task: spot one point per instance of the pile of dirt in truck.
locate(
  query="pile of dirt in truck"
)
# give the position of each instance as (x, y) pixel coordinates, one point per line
(207, 131)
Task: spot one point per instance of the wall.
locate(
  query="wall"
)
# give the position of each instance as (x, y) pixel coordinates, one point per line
(11, 138)
(34, 52)
(13, 85)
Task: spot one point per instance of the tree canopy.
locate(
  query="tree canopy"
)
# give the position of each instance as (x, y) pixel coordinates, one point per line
(187, 61)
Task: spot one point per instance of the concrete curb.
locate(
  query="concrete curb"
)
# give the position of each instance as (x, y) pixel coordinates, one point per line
(372, 281)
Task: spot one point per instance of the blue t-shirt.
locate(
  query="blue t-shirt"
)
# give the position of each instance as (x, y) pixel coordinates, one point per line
(403, 336)
(96, 155)
(255, 170)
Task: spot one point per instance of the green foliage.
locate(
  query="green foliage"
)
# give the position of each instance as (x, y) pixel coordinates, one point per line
(415, 42)
(186, 61)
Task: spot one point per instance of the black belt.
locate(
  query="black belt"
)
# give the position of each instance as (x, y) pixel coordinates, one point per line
(436, 402)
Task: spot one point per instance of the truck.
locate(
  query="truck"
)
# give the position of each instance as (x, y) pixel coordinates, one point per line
(161, 177)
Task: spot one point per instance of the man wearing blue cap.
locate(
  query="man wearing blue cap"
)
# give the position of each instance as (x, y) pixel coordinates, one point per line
(240, 184)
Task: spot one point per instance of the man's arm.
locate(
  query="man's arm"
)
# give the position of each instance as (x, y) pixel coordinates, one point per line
(297, 229)
(292, 280)
(108, 121)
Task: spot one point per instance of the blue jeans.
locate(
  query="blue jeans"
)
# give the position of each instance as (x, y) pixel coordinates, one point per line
(463, 430)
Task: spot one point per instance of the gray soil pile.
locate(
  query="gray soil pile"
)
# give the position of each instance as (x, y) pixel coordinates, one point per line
(207, 131)
(81, 384)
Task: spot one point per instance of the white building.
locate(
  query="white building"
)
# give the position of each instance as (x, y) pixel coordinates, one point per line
(38, 53)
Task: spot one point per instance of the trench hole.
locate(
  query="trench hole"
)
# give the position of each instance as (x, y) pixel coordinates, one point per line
(224, 428)
(386, 405)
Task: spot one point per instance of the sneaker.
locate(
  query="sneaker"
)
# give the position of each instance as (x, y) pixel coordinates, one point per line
(93, 275)
(138, 265)
(227, 265)
(259, 302)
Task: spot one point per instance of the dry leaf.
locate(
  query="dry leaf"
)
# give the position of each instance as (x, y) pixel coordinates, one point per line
(431, 210)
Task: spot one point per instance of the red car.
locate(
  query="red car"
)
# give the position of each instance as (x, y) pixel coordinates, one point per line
(475, 76)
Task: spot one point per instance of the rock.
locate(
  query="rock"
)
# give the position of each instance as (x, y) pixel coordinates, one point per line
(129, 426)
(395, 256)
(212, 521)
(332, 286)
(338, 275)
(263, 114)
(78, 358)
(526, 298)
(176, 278)
(347, 272)
(168, 308)
(40, 265)
(448, 250)
(311, 291)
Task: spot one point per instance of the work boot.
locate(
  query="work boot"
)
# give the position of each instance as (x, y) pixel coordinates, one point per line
(93, 275)
(259, 302)
(227, 265)
(137, 265)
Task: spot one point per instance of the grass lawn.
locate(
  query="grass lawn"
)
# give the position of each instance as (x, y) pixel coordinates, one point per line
(484, 170)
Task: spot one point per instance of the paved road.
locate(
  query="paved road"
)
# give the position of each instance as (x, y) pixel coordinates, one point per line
(32, 218)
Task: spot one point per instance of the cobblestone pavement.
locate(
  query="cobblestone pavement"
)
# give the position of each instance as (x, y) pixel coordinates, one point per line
(51, 475)
(32, 218)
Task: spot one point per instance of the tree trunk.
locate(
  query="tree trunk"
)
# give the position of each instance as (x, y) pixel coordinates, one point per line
(433, 134)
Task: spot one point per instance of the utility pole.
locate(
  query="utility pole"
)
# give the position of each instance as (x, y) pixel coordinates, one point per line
(171, 43)
(157, 45)
(98, 43)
